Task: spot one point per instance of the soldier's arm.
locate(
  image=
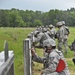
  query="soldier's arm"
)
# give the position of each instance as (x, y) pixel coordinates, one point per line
(38, 59)
(35, 57)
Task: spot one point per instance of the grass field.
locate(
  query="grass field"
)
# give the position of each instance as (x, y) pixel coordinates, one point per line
(15, 37)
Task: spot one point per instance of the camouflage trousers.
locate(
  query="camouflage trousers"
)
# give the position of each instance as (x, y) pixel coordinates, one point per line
(60, 44)
(63, 46)
(65, 43)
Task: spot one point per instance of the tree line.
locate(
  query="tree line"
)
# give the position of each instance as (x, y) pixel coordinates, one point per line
(29, 18)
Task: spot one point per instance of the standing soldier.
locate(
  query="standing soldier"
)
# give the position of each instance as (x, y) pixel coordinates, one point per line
(47, 27)
(42, 28)
(52, 31)
(55, 62)
(60, 35)
(37, 28)
(66, 33)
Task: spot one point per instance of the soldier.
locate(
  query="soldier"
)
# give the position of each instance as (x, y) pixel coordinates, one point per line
(65, 40)
(37, 28)
(42, 28)
(72, 48)
(36, 40)
(53, 59)
(60, 35)
(52, 31)
(40, 36)
(47, 27)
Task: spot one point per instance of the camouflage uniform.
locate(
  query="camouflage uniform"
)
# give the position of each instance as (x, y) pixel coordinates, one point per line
(47, 27)
(43, 28)
(52, 31)
(37, 36)
(40, 37)
(60, 36)
(52, 60)
(72, 48)
(37, 28)
(65, 40)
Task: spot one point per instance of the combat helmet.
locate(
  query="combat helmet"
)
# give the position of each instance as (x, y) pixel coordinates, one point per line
(63, 22)
(44, 30)
(36, 32)
(59, 24)
(50, 26)
(49, 42)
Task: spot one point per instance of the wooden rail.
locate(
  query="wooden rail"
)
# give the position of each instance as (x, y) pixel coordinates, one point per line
(6, 61)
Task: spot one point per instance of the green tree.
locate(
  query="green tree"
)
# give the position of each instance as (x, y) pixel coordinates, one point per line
(16, 19)
(37, 23)
(4, 18)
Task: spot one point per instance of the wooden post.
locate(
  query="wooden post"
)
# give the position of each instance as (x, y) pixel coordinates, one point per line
(27, 56)
(6, 50)
(5, 67)
(11, 71)
(6, 54)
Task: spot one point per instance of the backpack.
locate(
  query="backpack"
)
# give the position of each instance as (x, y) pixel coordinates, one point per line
(67, 31)
(61, 65)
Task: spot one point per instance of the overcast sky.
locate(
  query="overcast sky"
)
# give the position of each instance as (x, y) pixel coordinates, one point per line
(41, 5)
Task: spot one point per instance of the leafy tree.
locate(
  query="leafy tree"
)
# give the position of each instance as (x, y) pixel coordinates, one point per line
(29, 18)
(37, 23)
(16, 19)
(4, 18)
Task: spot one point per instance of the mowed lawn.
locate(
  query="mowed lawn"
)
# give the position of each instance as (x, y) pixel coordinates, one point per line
(15, 37)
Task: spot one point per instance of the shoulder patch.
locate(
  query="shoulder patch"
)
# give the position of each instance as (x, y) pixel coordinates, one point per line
(51, 58)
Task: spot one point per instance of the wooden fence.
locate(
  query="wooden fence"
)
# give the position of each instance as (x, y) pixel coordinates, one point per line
(7, 58)
(6, 61)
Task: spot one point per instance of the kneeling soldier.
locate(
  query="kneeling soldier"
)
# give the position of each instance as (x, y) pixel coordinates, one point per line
(55, 64)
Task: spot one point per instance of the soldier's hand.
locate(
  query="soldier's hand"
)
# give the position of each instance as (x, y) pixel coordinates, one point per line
(33, 51)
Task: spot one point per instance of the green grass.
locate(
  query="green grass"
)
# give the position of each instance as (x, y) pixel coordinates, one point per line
(15, 37)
